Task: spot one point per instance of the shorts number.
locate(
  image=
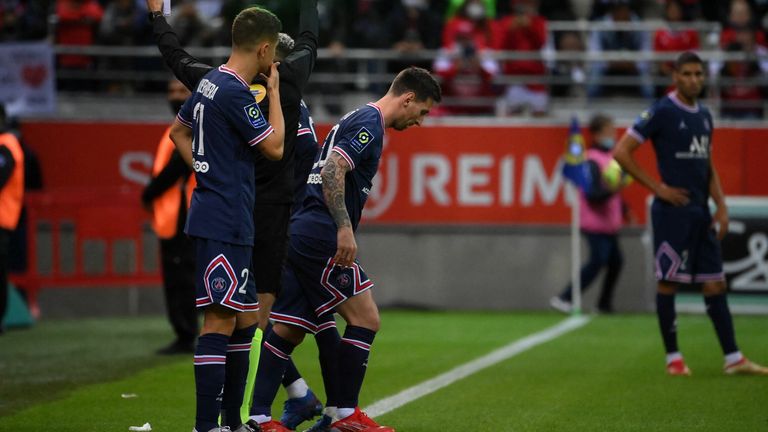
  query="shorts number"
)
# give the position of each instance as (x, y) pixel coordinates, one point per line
(244, 275)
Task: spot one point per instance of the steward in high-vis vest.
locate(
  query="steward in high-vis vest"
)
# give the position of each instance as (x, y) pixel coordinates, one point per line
(167, 198)
(11, 197)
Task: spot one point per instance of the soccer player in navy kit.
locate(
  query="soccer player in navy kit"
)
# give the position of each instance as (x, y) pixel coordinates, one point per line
(321, 275)
(215, 132)
(686, 236)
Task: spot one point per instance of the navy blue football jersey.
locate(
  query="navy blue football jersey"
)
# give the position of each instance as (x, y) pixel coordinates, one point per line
(358, 138)
(226, 122)
(682, 139)
(306, 150)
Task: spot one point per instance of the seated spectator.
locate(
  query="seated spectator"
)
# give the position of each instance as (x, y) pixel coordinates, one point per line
(471, 20)
(625, 41)
(671, 40)
(123, 23)
(413, 28)
(466, 74)
(23, 20)
(78, 20)
(568, 70)
(522, 31)
(601, 8)
(740, 18)
(741, 97)
(190, 26)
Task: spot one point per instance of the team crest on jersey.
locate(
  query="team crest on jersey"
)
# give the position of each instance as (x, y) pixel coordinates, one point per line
(253, 112)
(218, 284)
(361, 140)
(259, 92)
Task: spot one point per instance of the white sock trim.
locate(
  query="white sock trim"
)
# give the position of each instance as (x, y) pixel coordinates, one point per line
(733, 357)
(674, 356)
(297, 389)
(343, 413)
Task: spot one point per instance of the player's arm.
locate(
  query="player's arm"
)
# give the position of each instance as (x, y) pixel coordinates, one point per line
(272, 146)
(188, 69)
(302, 58)
(624, 155)
(720, 217)
(181, 135)
(333, 175)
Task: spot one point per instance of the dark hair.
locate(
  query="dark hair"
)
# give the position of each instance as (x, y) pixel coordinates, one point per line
(285, 45)
(419, 81)
(686, 58)
(598, 122)
(254, 25)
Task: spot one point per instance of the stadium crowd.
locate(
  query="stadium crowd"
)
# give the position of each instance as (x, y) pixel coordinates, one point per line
(466, 33)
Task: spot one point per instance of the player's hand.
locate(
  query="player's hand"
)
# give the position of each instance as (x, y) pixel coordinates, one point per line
(720, 221)
(675, 196)
(154, 5)
(346, 248)
(273, 80)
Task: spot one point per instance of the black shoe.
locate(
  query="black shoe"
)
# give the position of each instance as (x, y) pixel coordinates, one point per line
(177, 347)
(253, 424)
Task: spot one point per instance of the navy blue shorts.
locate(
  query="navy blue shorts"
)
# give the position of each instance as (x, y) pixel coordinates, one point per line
(687, 249)
(313, 286)
(223, 275)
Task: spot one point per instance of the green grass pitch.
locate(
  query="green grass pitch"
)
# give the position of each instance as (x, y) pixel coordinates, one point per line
(605, 376)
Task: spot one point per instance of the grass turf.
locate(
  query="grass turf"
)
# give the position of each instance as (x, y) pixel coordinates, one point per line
(605, 376)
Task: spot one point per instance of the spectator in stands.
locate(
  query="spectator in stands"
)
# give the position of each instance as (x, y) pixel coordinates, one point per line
(601, 8)
(524, 31)
(124, 23)
(190, 26)
(454, 7)
(568, 70)
(413, 27)
(23, 20)
(623, 41)
(556, 10)
(741, 97)
(78, 21)
(673, 40)
(740, 19)
(464, 62)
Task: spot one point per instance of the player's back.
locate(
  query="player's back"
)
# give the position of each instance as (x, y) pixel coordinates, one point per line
(226, 122)
(682, 140)
(306, 150)
(358, 138)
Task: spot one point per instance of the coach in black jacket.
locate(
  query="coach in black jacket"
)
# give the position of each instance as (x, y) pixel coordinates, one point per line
(274, 179)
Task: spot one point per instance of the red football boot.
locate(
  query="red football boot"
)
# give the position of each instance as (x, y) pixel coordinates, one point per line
(358, 422)
(270, 426)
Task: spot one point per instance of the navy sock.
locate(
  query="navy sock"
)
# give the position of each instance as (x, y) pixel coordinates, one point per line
(665, 309)
(275, 355)
(238, 359)
(291, 374)
(328, 350)
(717, 309)
(353, 361)
(210, 360)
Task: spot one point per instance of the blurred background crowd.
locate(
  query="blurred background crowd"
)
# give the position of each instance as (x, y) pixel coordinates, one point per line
(494, 57)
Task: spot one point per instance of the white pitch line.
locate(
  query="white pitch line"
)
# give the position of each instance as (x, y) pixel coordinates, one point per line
(514, 348)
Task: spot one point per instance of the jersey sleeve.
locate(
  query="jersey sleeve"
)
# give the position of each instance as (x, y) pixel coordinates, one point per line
(245, 116)
(357, 142)
(646, 126)
(185, 115)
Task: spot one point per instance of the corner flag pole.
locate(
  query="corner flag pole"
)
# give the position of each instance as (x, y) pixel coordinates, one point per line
(575, 254)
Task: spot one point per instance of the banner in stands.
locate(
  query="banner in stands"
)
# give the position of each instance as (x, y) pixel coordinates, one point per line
(428, 175)
(27, 78)
(745, 248)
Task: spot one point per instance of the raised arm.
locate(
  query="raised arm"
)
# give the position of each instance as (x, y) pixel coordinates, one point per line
(188, 69)
(333, 176)
(302, 58)
(624, 155)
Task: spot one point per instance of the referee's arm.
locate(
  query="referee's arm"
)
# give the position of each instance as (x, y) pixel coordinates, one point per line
(302, 58)
(185, 67)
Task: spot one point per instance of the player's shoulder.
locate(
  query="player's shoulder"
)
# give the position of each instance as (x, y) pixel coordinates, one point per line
(368, 116)
(654, 113)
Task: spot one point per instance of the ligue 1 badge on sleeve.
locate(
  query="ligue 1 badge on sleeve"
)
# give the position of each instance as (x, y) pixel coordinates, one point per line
(167, 7)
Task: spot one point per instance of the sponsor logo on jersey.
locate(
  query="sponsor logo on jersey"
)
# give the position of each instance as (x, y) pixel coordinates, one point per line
(253, 112)
(259, 92)
(361, 140)
(697, 149)
(315, 178)
(201, 167)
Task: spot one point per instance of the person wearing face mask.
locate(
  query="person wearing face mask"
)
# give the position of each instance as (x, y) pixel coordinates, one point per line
(166, 197)
(602, 211)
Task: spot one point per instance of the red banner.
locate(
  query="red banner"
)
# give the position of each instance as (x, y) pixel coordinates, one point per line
(429, 175)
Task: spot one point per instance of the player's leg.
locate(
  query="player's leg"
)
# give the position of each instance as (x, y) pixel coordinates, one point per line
(177, 263)
(238, 361)
(598, 255)
(667, 316)
(362, 317)
(328, 345)
(614, 265)
(276, 351)
(301, 404)
(210, 364)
